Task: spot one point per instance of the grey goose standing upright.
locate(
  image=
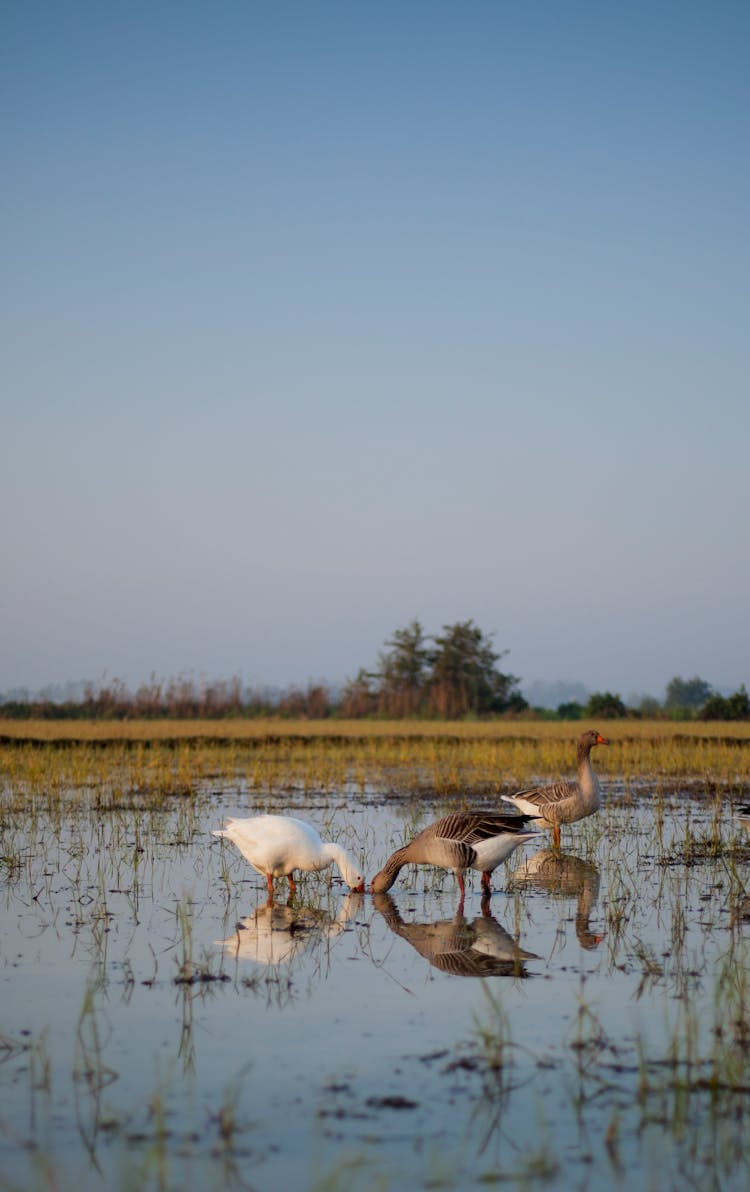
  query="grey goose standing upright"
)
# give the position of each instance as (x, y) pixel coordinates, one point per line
(565, 802)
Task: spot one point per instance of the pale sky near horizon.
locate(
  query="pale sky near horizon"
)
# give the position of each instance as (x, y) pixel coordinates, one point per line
(319, 317)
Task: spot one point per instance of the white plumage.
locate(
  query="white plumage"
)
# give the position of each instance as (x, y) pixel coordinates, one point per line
(276, 845)
(278, 933)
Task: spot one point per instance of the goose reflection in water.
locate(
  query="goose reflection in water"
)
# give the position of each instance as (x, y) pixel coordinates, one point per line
(743, 818)
(462, 947)
(564, 876)
(278, 933)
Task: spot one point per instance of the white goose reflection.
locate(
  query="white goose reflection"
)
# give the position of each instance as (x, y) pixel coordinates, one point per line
(278, 933)
(565, 876)
(462, 947)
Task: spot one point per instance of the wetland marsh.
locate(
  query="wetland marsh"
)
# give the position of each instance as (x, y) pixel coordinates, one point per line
(163, 1026)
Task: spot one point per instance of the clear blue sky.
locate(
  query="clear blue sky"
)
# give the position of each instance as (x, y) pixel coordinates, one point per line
(319, 317)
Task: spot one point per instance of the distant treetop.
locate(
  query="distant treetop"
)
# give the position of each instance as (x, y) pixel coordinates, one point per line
(448, 675)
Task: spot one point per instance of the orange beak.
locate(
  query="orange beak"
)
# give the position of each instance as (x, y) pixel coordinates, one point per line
(360, 889)
(600, 740)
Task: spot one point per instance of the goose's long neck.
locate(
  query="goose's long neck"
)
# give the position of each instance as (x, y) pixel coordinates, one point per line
(587, 780)
(334, 854)
(388, 909)
(584, 760)
(330, 854)
(349, 907)
(392, 868)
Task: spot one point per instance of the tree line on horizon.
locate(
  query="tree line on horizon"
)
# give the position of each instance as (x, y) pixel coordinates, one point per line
(453, 675)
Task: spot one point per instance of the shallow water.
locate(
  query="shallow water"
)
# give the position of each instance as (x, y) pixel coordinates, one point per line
(163, 1026)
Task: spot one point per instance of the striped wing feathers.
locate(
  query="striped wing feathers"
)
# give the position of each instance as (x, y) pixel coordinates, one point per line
(473, 827)
(549, 796)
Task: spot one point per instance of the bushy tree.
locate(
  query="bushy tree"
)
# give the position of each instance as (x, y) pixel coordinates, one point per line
(571, 710)
(731, 707)
(738, 704)
(606, 706)
(686, 693)
(516, 703)
(463, 674)
(402, 671)
(451, 674)
(648, 706)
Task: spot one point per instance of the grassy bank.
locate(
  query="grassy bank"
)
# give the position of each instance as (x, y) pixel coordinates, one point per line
(160, 759)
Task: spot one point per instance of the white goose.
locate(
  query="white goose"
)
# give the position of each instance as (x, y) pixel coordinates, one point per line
(276, 845)
(565, 802)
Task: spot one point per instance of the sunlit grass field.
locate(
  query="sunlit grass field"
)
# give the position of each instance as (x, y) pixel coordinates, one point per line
(157, 759)
(259, 729)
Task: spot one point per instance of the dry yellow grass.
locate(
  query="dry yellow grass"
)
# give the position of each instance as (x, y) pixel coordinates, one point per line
(158, 759)
(253, 730)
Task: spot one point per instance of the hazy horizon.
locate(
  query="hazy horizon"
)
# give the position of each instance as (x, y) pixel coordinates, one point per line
(320, 317)
(539, 693)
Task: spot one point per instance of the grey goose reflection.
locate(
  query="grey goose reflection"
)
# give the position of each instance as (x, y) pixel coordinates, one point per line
(564, 876)
(478, 947)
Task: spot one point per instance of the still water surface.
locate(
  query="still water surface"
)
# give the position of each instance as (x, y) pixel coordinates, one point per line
(163, 1026)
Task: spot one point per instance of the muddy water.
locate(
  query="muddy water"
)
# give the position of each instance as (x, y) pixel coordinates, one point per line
(163, 1026)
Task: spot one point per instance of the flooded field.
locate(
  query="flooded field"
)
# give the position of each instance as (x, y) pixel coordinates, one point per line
(164, 1025)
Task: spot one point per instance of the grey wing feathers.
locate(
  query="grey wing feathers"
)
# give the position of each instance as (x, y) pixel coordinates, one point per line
(473, 827)
(544, 796)
(460, 853)
(477, 964)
